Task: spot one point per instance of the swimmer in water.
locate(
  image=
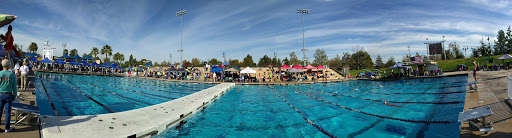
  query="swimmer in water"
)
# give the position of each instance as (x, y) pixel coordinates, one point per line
(297, 92)
(388, 104)
(354, 89)
(381, 86)
(238, 90)
(334, 93)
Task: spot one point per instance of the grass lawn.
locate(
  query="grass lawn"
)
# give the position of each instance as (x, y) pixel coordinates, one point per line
(447, 65)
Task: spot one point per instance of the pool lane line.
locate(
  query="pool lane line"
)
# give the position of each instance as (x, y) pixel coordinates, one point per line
(303, 116)
(49, 99)
(172, 98)
(407, 93)
(102, 105)
(192, 90)
(154, 82)
(452, 102)
(114, 93)
(428, 83)
(156, 89)
(381, 116)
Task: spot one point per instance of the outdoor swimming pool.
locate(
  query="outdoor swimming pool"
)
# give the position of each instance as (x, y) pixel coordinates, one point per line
(430, 109)
(74, 95)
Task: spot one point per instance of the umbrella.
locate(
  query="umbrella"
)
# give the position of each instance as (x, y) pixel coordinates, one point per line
(286, 67)
(232, 70)
(294, 71)
(309, 67)
(297, 67)
(225, 63)
(248, 70)
(6, 19)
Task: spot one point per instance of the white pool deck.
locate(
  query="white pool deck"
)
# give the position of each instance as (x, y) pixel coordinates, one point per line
(142, 122)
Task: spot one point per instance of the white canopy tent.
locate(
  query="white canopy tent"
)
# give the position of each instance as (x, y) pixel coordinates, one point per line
(248, 70)
(507, 56)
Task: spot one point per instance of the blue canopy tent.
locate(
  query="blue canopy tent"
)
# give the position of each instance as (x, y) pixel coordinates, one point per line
(399, 66)
(31, 54)
(59, 61)
(46, 60)
(225, 63)
(94, 64)
(84, 63)
(106, 65)
(172, 65)
(3, 52)
(216, 69)
(114, 65)
(72, 62)
(65, 56)
(148, 64)
(33, 59)
(76, 57)
(87, 57)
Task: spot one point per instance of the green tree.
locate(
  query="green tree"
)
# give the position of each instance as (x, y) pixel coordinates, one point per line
(500, 45)
(94, 52)
(509, 40)
(457, 54)
(248, 61)
(474, 52)
(336, 62)
(234, 63)
(390, 62)
(264, 61)
(186, 63)
(360, 60)
(85, 54)
(320, 57)
(65, 52)
(378, 62)
(18, 48)
(116, 57)
(107, 51)
(73, 52)
(346, 60)
(286, 61)
(196, 62)
(213, 61)
(293, 59)
(32, 47)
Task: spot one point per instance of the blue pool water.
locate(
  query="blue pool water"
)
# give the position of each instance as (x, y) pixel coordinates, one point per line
(430, 109)
(74, 95)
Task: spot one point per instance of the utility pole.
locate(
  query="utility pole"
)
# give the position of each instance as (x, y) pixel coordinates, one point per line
(170, 55)
(409, 48)
(224, 56)
(444, 52)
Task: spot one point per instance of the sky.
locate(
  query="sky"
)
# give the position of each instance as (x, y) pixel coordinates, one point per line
(150, 29)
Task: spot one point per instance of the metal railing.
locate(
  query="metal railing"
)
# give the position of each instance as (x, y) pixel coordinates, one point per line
(509, 87)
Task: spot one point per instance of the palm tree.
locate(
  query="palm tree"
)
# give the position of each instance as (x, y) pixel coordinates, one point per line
(107, 50)
(121, 57)
(95, 52)
(32, 47)
(116, 57)
(65, 52)
(73, 52)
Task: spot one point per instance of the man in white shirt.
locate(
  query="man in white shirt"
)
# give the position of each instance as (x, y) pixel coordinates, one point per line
(17, 69)
(24, 70)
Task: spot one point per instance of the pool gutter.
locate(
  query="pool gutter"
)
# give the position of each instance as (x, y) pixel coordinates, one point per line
(143, 122)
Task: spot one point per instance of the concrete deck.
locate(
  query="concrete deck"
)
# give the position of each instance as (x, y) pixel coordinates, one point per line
(493, 92)
(142, 122)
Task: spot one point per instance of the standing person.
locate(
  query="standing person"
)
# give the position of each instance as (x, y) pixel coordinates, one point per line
(214, 76)
(8, 91)
(474, 71)
(24, 70)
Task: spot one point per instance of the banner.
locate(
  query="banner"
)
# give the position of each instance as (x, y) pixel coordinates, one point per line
(435, 48)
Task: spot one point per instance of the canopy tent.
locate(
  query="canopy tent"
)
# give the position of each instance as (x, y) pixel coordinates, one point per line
(94, 64)
(31, 54)
(321, 67)
(216, 69)
(148, 64)
(248, 70)
(33, 59)
(85, 63)
(59, 61)
(285, 67)
(87, 57)
(399, 66)
(309, 67)
(46, 60)
(172, 65)
(3, 52)
(294, 71)
(232, 70)
(297, 67)
(114, 65)
(221, 66)
(489, 59)
(65, 56)
(72, 62)
(506, 56)
(76, 57)
(106, 64)
(225, 63)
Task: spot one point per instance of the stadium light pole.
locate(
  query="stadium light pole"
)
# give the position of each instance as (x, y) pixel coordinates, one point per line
(170, 55)
(181, 13)
(303, 11)
(409, 48)
(465, 54)
(444, 52)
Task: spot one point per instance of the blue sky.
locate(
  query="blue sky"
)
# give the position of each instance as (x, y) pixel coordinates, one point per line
(150, 29)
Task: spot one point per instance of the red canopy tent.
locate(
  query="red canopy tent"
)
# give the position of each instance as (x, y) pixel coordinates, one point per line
(221, 66)
(297, 67)
(309, 67)
(321, 67)
(286, 67)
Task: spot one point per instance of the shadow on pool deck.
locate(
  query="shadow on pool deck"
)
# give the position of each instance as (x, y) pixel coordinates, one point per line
(492, 92)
